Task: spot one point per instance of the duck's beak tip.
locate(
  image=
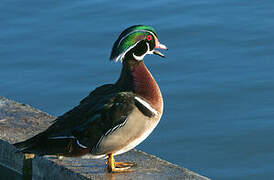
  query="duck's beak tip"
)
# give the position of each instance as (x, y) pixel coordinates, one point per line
(160, 46)
(158, 53)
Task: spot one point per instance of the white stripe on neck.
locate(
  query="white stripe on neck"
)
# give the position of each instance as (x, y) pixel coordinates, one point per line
(147, 105)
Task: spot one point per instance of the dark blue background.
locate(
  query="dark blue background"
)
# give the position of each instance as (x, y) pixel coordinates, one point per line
(217, 80)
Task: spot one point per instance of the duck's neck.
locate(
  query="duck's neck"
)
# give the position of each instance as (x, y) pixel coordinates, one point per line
(136, 77)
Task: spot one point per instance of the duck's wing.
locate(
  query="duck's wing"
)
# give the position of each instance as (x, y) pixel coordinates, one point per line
(108, 117)
(103, 110)
(83, 112)
(59, 134)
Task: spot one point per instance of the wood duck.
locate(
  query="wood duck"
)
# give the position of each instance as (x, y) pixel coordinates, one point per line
(114, 118)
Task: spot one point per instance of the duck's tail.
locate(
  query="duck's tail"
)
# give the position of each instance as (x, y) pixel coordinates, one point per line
(41, 145)
(32, 145)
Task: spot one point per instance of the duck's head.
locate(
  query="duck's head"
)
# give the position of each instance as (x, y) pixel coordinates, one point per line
(135, 42)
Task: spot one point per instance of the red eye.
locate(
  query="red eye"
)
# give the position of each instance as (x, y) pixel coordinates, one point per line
(149, 37)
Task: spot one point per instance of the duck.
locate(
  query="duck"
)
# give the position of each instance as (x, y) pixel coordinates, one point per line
(113, 118)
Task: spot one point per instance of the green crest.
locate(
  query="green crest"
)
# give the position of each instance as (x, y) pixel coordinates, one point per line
(128, 39)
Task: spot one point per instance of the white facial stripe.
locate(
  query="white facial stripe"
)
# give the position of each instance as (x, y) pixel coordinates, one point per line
(139, 58)
(121, 56)
(132, 33)
(147, 105)
(148, 51)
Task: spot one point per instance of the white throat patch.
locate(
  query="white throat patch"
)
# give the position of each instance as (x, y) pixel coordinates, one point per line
(140, 58)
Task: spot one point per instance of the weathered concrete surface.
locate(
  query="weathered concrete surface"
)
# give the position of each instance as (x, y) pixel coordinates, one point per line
(42, 168)
(20, 121)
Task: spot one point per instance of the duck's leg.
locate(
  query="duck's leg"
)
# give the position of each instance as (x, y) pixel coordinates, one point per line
(118, 167)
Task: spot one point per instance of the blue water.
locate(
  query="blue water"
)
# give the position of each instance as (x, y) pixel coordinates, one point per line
(217, 80)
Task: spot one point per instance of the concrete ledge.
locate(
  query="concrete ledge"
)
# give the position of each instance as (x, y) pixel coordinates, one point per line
(42, 167)
(20, 121)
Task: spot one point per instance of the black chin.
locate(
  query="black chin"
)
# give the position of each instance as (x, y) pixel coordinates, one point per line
(140, 48)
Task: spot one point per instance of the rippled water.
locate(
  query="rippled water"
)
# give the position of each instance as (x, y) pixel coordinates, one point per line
(217, 80)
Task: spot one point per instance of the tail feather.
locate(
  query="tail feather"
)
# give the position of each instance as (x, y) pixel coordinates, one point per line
(42, 145)
(28, 146)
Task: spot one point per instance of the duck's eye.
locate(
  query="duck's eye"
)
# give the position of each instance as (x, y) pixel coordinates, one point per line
(149, 37)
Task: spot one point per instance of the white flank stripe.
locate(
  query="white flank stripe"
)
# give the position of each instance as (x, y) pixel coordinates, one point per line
(81, 145)
(62, 137)
(69, 137)
(146, 105)
(109, 132)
